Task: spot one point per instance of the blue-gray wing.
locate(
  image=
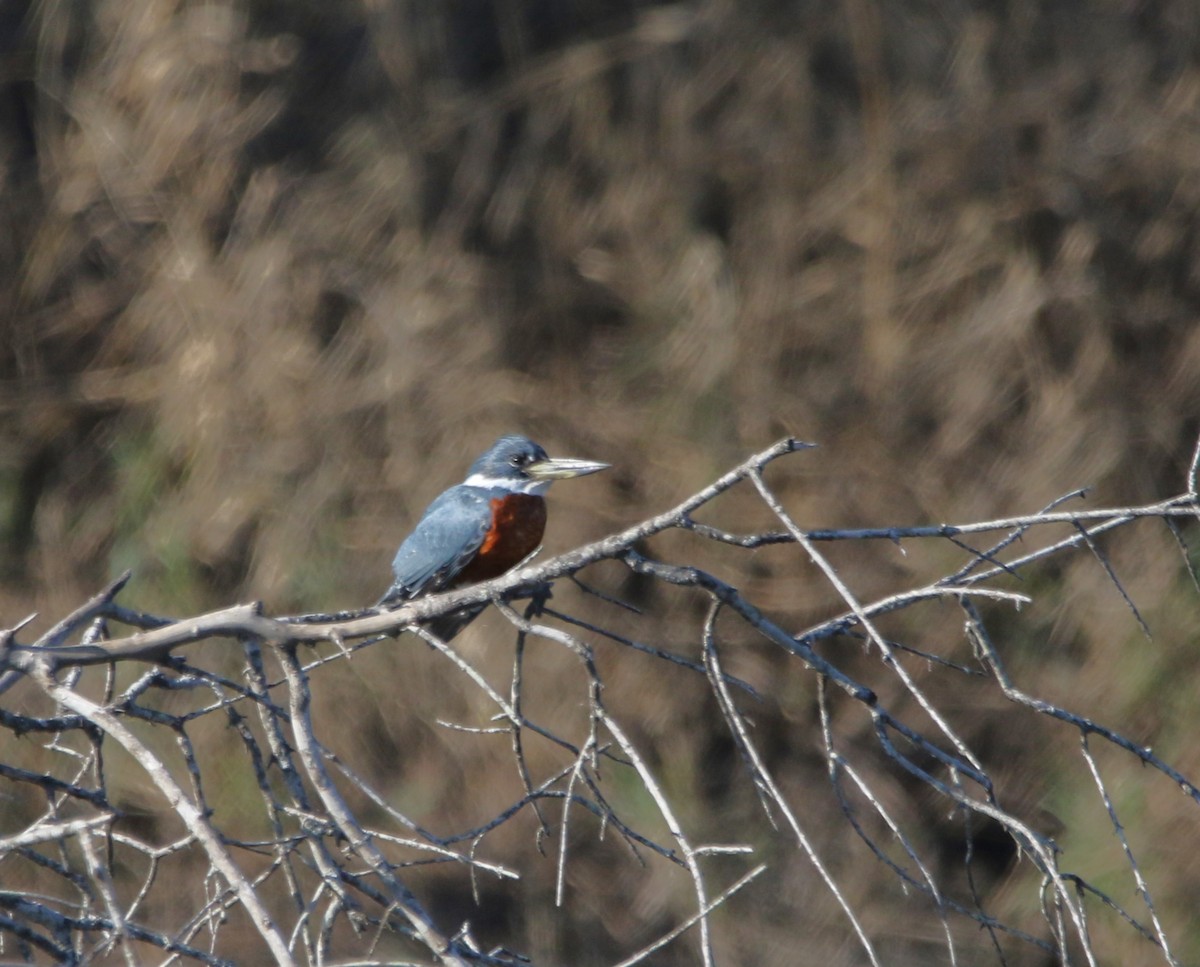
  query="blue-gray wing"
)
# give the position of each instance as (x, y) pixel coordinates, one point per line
(442, 544)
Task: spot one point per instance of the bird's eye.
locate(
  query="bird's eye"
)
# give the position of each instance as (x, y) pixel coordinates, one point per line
(515, 460)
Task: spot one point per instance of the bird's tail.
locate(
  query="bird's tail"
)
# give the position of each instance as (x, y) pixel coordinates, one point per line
(449, 625)
(446, 626)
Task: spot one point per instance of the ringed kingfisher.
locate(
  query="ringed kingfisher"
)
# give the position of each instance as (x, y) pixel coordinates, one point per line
(482, 527)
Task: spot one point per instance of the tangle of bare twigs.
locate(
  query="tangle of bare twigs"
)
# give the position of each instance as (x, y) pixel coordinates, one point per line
(336, 874)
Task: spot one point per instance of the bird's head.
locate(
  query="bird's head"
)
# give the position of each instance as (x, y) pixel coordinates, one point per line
(518, 464)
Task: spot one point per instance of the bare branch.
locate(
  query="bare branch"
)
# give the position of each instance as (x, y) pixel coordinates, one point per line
(336, 881)
(180, 804)
(402, 899)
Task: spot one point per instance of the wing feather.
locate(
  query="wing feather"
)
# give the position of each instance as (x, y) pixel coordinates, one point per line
(442, 544)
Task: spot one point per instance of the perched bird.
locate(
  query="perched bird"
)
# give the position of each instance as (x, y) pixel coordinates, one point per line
(482, 527)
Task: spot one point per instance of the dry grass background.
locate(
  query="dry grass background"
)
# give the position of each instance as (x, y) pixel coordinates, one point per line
(271, 274)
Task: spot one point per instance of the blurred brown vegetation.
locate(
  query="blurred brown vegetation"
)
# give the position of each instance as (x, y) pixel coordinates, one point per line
(272, 273)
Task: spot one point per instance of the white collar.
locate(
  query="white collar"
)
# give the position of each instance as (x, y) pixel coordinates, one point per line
(527, 486)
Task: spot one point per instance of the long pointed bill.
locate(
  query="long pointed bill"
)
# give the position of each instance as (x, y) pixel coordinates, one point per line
(560, 468)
